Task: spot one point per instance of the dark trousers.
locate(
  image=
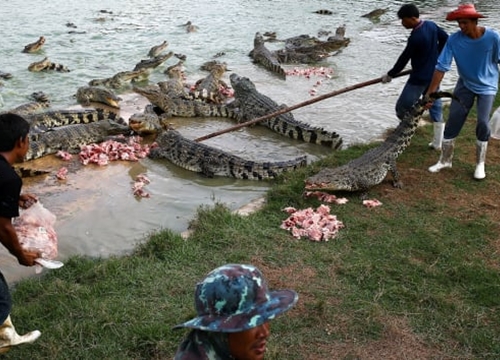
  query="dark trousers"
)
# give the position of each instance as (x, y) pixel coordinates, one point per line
(5, 299)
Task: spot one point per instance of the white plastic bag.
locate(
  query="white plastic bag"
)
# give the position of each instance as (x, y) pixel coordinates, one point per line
(35, 230)
(495, 124)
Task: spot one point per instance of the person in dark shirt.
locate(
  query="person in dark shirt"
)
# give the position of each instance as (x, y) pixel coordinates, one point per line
(422, 48)
(14, 143)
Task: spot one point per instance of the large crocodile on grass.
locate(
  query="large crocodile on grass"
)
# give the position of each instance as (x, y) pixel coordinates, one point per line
(211, 162)
(250, 104)
(71, 138)
(178, 107)
(371, 168)
(263, 56)
(97, 94)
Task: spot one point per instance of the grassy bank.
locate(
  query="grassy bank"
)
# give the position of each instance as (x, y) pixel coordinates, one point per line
(417, 278)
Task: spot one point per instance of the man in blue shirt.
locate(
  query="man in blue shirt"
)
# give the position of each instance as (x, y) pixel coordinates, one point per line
(476, 51)
(423, 47)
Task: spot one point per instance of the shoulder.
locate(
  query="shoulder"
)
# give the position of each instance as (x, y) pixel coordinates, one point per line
(491, 32)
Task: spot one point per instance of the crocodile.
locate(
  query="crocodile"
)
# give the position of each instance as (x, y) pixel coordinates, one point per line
(46, 64)
(371, 168)
(309, 49)
(175, 87)
(150, 64)
(147, 122)
(190, 27)
(5, 75)
(250, 104)
(157, 49)
(211, 162)
(208, 88)
(71, 138)
(34, 46)
(178, 107)
(41, 122)
(375, 15)
(120, 79)
(41, 102)
(263, 56)
(87, 94)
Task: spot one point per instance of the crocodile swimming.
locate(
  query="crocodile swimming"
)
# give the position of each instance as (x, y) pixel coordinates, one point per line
(34, 46)
(120, 79)
(150, 64)
(157, 49)
(45, 64)
(371, 168)
(210, 161)
(178, 107)
(87, 94)
(41, 102)
(250, 104)
(70, 138)
(263, 56)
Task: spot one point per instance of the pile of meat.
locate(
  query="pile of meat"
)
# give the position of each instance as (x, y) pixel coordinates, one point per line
(316, 225)
(35, 230)
(321, 72)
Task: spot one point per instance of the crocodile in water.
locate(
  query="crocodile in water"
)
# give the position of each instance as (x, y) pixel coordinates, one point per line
(120, 79)
(157, 49)
(45, 64)
(263, 56)
(251, 104)
(371, 168)
(71, 138)
(208, 88)
(212, 162)
(88, 94)
(178, 107)
(34, 46)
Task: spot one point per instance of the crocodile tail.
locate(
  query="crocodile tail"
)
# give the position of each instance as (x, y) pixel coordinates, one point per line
(268, 170)
(57, 67)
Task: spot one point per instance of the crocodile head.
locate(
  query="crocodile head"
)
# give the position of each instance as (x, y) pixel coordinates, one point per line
(241, 84)
(97, 94)
(329, 180)
(39, 65)
(113, 127)
(145, 123)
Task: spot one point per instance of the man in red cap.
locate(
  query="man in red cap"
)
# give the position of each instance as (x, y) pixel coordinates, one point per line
(476, 51)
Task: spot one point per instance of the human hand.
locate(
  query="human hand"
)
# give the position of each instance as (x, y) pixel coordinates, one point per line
(26, 200)
(27, 257)
(427, 101)
(386, 79)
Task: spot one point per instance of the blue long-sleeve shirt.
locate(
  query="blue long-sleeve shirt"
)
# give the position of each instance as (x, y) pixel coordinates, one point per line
(424, 44)
(476, 59)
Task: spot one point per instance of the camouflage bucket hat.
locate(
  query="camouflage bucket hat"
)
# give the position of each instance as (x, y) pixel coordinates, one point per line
(234, 298)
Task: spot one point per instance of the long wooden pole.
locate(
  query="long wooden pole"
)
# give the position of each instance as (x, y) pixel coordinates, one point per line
(299, 105)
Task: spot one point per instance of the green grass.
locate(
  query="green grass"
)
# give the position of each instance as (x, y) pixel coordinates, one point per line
(412, 261)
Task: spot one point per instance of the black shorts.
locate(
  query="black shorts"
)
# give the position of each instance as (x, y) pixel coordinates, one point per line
(5, 299)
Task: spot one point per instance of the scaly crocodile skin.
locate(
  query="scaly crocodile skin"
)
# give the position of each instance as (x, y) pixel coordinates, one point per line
(251, 104)
(212, 162)
(371, 168)
(71, 138)
(87, 94)
(263, 56)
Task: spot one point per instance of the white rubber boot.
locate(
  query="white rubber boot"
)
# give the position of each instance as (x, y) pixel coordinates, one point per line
(9, 337)
(447, 147)
(481, 147)
(438, 135)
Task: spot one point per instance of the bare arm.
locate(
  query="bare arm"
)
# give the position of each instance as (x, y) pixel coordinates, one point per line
(9, 239)
(436, 80)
